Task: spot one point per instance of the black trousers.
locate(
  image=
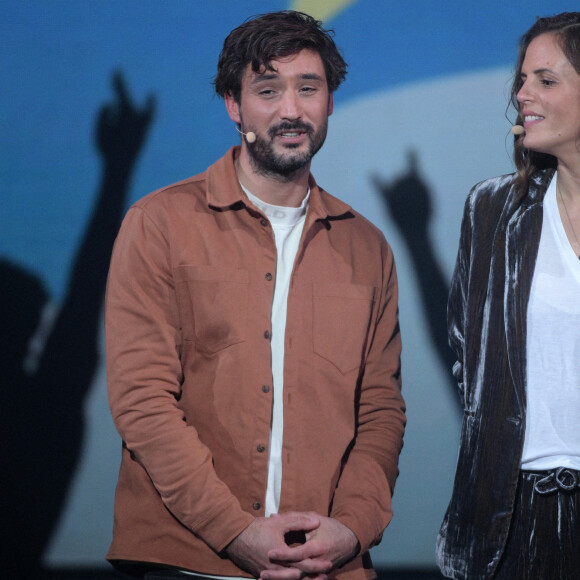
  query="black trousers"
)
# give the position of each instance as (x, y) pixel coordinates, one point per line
(544, 537)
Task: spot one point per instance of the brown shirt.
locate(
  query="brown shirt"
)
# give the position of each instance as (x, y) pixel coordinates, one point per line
(190, 382)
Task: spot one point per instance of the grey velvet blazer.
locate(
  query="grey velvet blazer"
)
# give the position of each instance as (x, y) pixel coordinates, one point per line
(487, 310)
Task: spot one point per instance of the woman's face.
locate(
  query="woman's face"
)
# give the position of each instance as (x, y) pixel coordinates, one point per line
(549, 100)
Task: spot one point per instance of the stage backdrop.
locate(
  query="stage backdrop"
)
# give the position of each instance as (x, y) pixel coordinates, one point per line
(419, 120)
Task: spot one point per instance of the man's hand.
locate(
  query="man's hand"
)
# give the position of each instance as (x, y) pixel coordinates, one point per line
(328, 546)
(250, 549)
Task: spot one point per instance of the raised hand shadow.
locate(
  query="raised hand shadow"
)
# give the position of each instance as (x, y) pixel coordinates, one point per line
(409, 202)
(42, 408)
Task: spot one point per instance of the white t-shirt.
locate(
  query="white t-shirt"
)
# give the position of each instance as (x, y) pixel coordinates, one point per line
(552, 437)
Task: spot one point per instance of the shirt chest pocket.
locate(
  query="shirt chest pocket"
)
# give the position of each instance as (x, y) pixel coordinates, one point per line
(341, 320)
(213, 304)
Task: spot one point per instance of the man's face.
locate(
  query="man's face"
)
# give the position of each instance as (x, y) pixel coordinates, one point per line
(287, 108)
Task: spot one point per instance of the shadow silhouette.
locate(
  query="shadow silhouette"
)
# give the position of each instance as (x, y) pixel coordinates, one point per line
(408, 201)
(41, 410)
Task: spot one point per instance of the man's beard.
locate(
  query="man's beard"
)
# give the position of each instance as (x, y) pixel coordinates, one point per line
(282, 166)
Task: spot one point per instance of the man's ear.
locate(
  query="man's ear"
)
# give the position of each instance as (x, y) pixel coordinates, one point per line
(232, 107)
(330, 103)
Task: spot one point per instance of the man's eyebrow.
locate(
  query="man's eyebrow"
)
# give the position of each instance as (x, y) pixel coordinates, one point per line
(268, 76)
(312, 77)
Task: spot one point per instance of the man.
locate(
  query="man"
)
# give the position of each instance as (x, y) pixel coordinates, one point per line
(253, 343)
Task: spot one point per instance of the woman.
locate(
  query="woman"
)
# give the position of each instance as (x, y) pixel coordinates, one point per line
(514, 324)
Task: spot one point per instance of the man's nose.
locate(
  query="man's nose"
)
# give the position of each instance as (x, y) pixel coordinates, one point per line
(290, 106)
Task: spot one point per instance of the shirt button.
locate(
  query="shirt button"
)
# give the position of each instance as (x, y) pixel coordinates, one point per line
(257, 505)
(260, 448)
(265, 389)
(268, 276)
(267, 334)
(264, 222)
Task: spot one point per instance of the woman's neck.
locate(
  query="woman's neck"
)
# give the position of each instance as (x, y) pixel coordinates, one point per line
(569, 182)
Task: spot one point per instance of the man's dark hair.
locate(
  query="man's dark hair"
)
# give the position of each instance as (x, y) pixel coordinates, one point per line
(262, 39)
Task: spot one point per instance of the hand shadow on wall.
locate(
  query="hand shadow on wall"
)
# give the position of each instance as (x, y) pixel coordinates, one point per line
(41, 412)
(408, 201)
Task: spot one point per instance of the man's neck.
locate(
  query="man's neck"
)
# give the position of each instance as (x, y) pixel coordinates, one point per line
(288, 193)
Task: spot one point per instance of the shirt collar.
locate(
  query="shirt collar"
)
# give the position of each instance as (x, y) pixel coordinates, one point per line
(224, 190)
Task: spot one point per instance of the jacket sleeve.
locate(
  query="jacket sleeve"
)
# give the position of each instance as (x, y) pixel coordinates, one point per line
(457, 303)
(362, 499)
(143, 344)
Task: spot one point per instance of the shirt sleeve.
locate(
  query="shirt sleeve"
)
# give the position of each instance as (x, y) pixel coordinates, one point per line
(362, 499)
(143, 344)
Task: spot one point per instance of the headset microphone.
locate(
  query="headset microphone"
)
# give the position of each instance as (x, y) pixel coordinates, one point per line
(250, 135)
(518, 130)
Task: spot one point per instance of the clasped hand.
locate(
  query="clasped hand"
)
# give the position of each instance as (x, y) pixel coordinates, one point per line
(261, 548)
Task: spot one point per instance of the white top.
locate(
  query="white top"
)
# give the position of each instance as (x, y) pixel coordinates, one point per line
(287, 223)
(552, 436)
